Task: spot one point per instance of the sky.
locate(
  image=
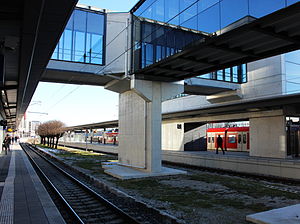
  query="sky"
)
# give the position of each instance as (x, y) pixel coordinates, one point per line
(77, 104)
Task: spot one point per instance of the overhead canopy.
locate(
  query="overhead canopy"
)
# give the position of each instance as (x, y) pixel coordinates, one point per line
(286, 102)
(29, 32)
(105, 124)
(271, 35)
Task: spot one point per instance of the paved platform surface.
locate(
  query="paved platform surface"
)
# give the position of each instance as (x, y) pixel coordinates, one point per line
(286, 215)
(23, 197)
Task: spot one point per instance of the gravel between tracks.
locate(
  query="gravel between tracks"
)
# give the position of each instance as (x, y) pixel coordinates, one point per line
(198, 197)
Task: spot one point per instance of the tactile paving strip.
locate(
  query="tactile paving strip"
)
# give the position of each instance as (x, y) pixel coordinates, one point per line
(7, 199)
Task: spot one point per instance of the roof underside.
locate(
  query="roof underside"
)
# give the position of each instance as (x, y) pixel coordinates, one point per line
(274, 34)
(105, 124)
(29, 32)
(266, 104)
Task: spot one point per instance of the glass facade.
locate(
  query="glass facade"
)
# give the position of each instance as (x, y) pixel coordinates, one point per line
(207, 15)
(236, 74)
(154, 42)
(83, 38)
(292, 72)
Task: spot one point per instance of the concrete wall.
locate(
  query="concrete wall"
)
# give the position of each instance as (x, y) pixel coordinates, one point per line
(265, 79)
(172, 136)
(195, 137)
(268, 137)
(181, 136)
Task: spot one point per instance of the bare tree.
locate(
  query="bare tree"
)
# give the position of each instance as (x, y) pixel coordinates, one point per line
(52, 130)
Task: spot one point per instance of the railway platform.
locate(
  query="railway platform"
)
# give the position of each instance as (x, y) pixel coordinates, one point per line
(241, 162)
(23, 196)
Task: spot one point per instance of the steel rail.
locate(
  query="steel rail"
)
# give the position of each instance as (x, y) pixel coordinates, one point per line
(97, 196)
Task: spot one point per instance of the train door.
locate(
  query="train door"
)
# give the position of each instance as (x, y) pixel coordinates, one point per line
(242, 141)
(210, 141)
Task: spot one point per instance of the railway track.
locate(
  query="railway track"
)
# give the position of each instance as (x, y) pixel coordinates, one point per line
(84, 205)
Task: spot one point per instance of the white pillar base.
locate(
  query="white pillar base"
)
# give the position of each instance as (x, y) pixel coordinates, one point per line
(124, 172)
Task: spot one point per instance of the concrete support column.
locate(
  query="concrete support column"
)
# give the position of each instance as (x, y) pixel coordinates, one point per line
(153, 129)
(140, 122)
(268, 136)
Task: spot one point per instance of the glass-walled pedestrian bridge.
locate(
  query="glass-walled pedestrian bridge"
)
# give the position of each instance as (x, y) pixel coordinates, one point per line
(229, 33)
(83, 38)
(170, 40)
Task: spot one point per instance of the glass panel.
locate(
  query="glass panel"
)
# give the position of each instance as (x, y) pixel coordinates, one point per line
(96, 49)
(231, 139)
(259, 8)
(233, 10)
(67, 46)
(235, 74)
(205, 76)
(149, 54)
(158, 11)
(204, 4)
(171, 11)
(79, 51)
(290, 2)
(293, 86)
(165, 41)
(292, 69)
(244, 138)
(209, 20)
(80, 20)
(188, 9)
(82, 40)
(244, 73)
(227, 74)
(70, 23)
(144, 9)
(220, 75)
(293, 56)
(158, 53)
(95, 23)
(191, 23)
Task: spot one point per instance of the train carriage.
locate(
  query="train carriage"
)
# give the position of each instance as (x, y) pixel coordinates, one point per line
(106, 137)
(234, 138)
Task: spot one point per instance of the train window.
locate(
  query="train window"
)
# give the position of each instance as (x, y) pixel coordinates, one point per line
(240, 139)
(212, 139)
(244, 138)
(231, 139)
(208, 140)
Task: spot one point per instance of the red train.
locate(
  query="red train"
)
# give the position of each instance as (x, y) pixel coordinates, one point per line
(107, 137)
(237, 138)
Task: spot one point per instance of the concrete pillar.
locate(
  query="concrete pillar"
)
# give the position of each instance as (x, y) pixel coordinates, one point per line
(268, 136)
(140, 122)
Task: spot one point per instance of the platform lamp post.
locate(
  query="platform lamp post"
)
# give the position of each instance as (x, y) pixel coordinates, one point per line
(86, 138)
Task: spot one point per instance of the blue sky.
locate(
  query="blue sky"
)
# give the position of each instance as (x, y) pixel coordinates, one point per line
(74, 104)
(116, 5)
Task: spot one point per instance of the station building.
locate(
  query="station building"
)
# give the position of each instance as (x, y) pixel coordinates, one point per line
(191, 62)
(261, 93)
